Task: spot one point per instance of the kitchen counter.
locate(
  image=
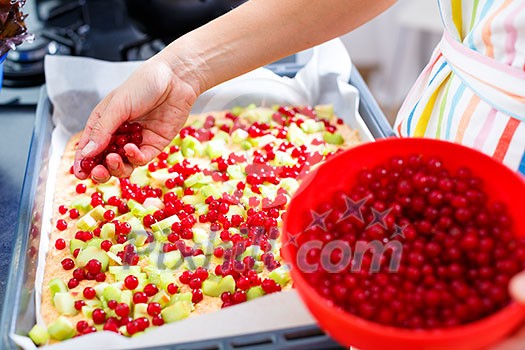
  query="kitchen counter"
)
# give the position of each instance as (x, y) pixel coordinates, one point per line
(16, 128)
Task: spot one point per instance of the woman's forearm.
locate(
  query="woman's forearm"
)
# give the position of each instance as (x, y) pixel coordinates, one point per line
(262, 31)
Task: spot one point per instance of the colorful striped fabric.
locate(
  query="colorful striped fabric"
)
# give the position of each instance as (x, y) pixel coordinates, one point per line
(473, 90)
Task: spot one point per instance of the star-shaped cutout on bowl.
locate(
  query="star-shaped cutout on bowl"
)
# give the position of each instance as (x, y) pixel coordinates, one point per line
(318, 220)
(398, 231)
(379, 218)
(353, 209)
(292, 239)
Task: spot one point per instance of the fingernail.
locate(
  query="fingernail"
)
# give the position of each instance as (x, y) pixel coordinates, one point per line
(76, 167)
(517, 287)
(112, 166)
(90, 147)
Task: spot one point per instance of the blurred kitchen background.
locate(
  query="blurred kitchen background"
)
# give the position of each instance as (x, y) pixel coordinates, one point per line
(389, 51)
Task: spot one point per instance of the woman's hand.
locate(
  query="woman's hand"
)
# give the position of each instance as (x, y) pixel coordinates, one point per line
(517, 291)
(160, 93)
(158, 97)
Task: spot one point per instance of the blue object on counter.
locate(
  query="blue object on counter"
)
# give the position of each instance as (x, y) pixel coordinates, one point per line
(2, 59)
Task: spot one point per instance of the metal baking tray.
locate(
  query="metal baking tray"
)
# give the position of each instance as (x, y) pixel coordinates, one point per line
(18, 314)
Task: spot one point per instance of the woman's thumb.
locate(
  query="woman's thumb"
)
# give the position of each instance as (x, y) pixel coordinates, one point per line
(104, 120)
(517, 287)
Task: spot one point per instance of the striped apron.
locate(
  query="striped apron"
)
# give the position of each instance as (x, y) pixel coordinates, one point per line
(473, 90)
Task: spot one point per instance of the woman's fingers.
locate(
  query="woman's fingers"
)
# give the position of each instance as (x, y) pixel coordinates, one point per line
(138, 156)
(100, 174)
(117, 167)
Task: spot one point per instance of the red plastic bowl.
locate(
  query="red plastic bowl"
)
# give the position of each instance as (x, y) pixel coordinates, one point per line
(501, 184)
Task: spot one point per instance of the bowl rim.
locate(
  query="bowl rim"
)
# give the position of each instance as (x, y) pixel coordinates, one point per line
(463, 330)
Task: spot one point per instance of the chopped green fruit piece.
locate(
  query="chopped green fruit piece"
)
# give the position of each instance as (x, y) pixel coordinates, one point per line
(99, 288)
(90, 221)
(97, 213)
(87, 311)
(162, 298)
(260, 114)
(296, 135)
(112, 292)
(139, 238)
(82, 204)
(136, 224)
(201, 208)
(132, 204)
(200, 235)
(65, 303)
(269, 191)
(193, 199)
(192, 262)
(259, 266)
(246, 145)
(76, 244)
(283, 158)
(230, 186)
(239, 135)
(140, 177)
(216, 148)
(289, 184)
(170, 259)
(254, 292)
(87, 223)
(165, 224)
(166, 278)
(324, 111)
(236, 171)
(197, 180)
(153, 274)
(61, 329)
(333, 139)
(184, 297)
(56, 285)
(261, 141)
(109, 190)
(125, 270)
(93, 303)
(310, 126)
(176, 141)
(237, 110)
(191, 147)
(108, 231)
(214, 289)
(140, 310)
(175, 158)
(95, 242)
(254, 251)
(38, 335)
(92, 253)
(210, 190)
(114, 257)
(236, 210)
(280, 275)
(138, 210)
(176, 312)
(126, 297)
(221, 135)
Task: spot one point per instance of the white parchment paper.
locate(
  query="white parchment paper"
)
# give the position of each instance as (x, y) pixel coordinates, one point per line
(75, 85)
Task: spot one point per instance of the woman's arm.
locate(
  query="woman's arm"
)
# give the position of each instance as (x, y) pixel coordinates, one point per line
(159, 95)
(262, 31)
